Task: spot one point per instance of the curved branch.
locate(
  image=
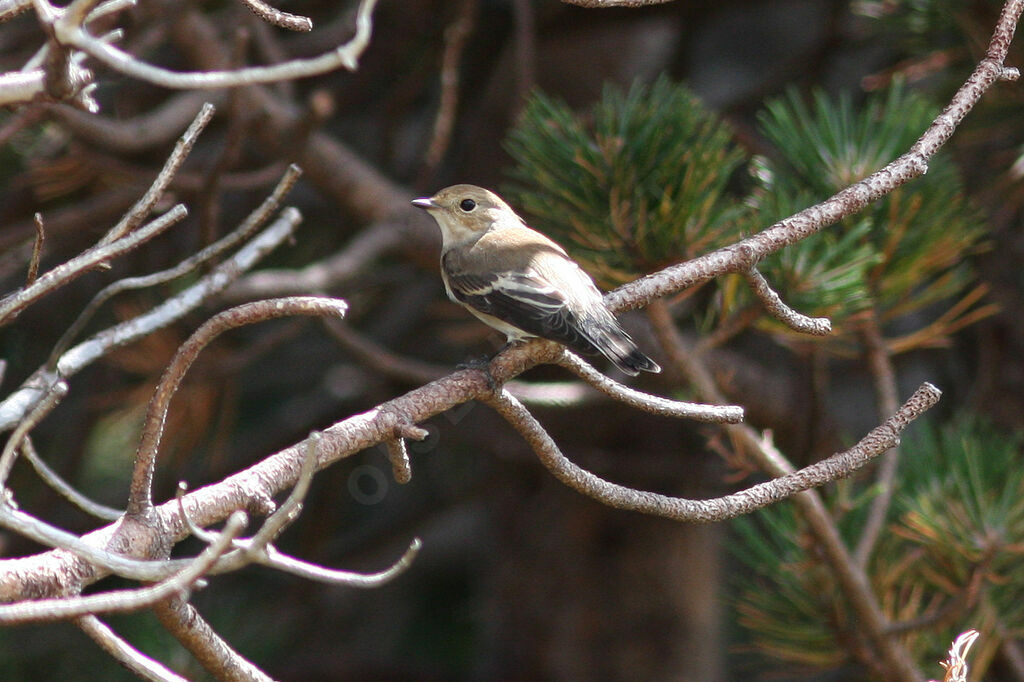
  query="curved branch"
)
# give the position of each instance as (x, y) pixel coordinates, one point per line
(65, 489)
(715, 414)
(839, 465)
(62, 608)
(70, 32)
(15, 406)
(140, 500)
(272, 15)
(744, 255)
(773, 303)
(124, 653)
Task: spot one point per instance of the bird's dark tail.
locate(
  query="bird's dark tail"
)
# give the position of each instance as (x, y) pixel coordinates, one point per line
(612, 341)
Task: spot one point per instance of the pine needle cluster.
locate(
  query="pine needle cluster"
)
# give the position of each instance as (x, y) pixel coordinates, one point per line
(637, 183)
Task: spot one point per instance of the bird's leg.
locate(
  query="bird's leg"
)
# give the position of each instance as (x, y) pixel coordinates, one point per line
(483, 364)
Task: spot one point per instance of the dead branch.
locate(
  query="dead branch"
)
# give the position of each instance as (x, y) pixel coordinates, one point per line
(15, 406)
(140, 498)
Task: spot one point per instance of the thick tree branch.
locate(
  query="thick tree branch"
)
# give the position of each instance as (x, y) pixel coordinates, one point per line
(62, 608)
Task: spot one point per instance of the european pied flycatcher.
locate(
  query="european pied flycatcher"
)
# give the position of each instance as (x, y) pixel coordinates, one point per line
(520, 282)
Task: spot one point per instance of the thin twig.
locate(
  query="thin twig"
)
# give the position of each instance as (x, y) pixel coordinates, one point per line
(455, 37)
(15, 406)
(124, 653)
(525, 48)
(13, 445)
(65, 489)
(380, 359)
(140, 496)
(818, 326)
(79, 265)
(883, 376)
(181, 150)
(211, 190)
(272, 15)
(37, 250)
(398, 455)
(716, 414)
(244, 231)
(289, 510)
(310, 571)
(324, 275)
(259, 549)
(346, 56)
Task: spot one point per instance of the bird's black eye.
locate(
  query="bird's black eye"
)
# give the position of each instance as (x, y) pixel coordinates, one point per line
(467, 205)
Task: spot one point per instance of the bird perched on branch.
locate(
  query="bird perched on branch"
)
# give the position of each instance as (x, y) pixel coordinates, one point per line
(518, 281)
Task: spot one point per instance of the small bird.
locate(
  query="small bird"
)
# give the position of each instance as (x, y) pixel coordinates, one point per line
(518, 281)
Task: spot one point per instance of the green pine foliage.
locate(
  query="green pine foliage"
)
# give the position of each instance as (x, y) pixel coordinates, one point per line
(900, 255)
(949, 560)
(636, 183)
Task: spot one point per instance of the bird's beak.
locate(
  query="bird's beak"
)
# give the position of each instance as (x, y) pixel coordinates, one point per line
(424, 203)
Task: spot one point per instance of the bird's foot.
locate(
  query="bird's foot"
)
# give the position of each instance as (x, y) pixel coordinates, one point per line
(482, 364)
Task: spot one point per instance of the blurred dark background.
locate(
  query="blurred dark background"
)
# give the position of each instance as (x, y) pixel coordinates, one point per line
(519, 577)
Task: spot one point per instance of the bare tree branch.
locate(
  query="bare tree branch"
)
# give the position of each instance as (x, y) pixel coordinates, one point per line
(69, 30)
(817, 326)
(272, 15)
(244, 231)
(455, 37)
(838, 465)
(37, 251)
(140, 500)
(650, 403)
(54, 395)
(853, 581)
(323, 275)
(181, 150)
(183, 621)
(744, 255)
(140, 133)
(11, 305)
(62, 608)
(886, 395)
(65, 489)
(15, 406)
(259, 549)
(124, 653)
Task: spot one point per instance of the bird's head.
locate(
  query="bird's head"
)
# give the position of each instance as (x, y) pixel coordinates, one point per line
(466, 212)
